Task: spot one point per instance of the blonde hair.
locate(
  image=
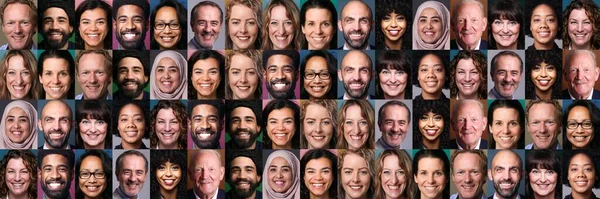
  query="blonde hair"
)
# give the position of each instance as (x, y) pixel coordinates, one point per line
(256, 6)
(255, 55)
(331, 106)
(366, 112)
(30, 65)
(404, 162)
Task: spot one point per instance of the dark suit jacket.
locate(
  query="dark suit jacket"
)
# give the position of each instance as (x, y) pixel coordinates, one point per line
(566, 95)
(370, 46)
(190, 194)
(492, 197)
(483, 145)
(482, 46)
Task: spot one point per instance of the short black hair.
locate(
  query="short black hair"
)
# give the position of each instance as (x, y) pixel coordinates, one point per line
(204, 55)
(218, 104)
(254, 105)
(143, 4)
(293, 54)
(279, 104)
(68, 154)
(142, 55)
(331, 69)
(254, 155)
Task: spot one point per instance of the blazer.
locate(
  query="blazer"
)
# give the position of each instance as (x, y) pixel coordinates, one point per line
(482, 145)
(482, 46)
(566, 95)
(191, 195)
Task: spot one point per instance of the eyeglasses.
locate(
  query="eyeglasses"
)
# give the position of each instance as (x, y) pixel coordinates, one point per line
(161, 26)
(86, 175)
(585, 125)
(312, 75)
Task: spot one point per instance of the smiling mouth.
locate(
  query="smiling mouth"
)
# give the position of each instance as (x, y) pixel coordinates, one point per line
(243, 38)
(580, 138)
(356, 36)
(394, 33)
(317, 88)
(429, 33)
(167, 38)
(544, 33)
(129, 36)
(506, 138)
(55, 185)
(281, 38)
(131, 133)
(431, 132)
(544, 82)
(356, 137)
(318, 138)
(356, 187)
(318, 39)
(169, 182)
(505, 37)
(92, 188)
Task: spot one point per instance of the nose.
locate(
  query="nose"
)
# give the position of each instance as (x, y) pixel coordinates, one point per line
(468, 177)
(543, 177)
(543, 24)
(428, 25)
(18, 176)
(204, 125)
(244, 78)
(57, 79)
(281, 126)
(19, 79)
(467, 124)
(93, 127)
(355, 177)
(55, 125)
(169, 172)
(430, 179)
(468, 77)
(129, 24)
(505, 28)
(168, 126)
(394, 22)
(394, 178)
(396, 127)
(430, 122)
(394, 78)
(318, 176)
(467, 23)
(131, 123)
(579, 27)
(355, 26)
(244, 28)
(55, 25)
(92, 178)
(430, 73)
(129, 75)
(544, 72)
(282, 28)
(93, 78)
(580, 75)
(167, 29)
(279, 74)
(18, 28)
(543, 128)
(319, 30)
(204, 174)
(54, 174)
(93, 26)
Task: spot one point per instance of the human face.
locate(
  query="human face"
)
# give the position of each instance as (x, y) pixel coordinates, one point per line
(206, 126)
(356, 74)
(280, 76)
(468, 175)
(131, 77)
(131, 124)
(393, 83)
(17, 177)
(56, 28)
(544, 25)
(321, 84)
(93, 132)
(580, 29)
(167, 75)
(430, 26)
(393, 26)
(393, 177)
(207, 26)
(207, 173)
(168, 37)
(206, 78)
(431, 75)
(468, 78)
(356, 176)
(18, 78)
(132, 175)
(243, 77)
(318, 28)
(56, 78)
(580, 138)
(430, 177)
(543, 76)
(469, 24)
(543, 181)
(17, 125)
(55, 122)
(317, 126)
(168, 175)
(281, 127)
(543, 125)
(130, 27)
(506, 173)
(93, 76)
(55, 176)
(431, 126)
(318, 176)
(506, 33)
(394, 125)
(356, 23)
(507, 75)
(244, 177)
(168, 128)
(244, 127)
(355, 127)
(581, 174)
(93, 28)
(506, 128)
(280, 175)
(281, 28)
(581, 75)
(18, 26)
(470, 123)
(243, 27)
(93, 186)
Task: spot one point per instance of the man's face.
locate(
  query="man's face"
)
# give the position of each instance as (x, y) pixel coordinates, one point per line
(506, 173)
(55, 175)
(507, 75)
(130, 27)
(206, 126)
(581, 75)
(356, 74)
(280, 75)
(244, 127)
(131, 77)
(469, 124)
(356, 24)
(18, 26)
(469, 24)
(244, 178)
(132, 175)
(468, 175)
(56, 28)
(394, 125)
(93, 76)
(207, 173)
(207, 26)
(55, 122)
(543, 125)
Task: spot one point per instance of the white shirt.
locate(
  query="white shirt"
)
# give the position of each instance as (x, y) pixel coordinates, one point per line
(476, 47)
(496, 196)
(455, 196)
(476, 147)
(588, 98)
(346, 47)
(214, 197)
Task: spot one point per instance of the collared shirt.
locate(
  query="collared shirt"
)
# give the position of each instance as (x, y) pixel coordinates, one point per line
(346, 97)
(122, 194)
(588, 98)
(455, 196)
(476, 47)
(5, 47)
(496, 196)
(68, 197)
(46, 146)
(346, 47)
(214, 197)
(530, 146)
(476, 147)
(194, 44)
(80, 96)
(494, 94)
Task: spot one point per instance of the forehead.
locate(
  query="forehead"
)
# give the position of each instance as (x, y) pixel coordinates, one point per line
(55, 12)
(92, 61)
(356, 59)
(470, 9)
(55, 63)
(239, 11)
(430, 59)
(207, 158)
(356, 9)
(242, 62)
(509, 62)
(354, 161)
(209, 12)
(506, 159)
(55, 108)
(470, 108)
(91, 162)
(130, 109)
(166, 12)
(15, 163)
(242, 162)
(207, 63)
(279, 60)
(167, 61)
(133, 162)
(17, 8)
(542, 110)
(581, 59)
(204, 109)
(395, 111)
(242, 112)
(130, 61)
(166, 112)
(130, 11)
(54, 159)
(466, 160)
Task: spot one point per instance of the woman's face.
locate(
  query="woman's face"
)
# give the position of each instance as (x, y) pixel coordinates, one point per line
(506, 128)
(93, 28)
(318, 28)
(467, 77)
(393, 177)
(280, 175)
(93, 131)
(206, 77)
(319, 86)
(318, 176)
(431, 126)
(243, 77)
(168, 36)
(393, 82)
(430, 177)
(431, 74)
(580, 28)
(355, 177)
(168, 175)
(281, 126)
(243, 27)
(544, 24)
(393, 26)
(356, 127)
(16, 126)
(543, 76)
(506, 33)
(281, 28)
(581, 174)
(167, 75)
(430, 26)
(92, 186)
(17, 173)
(543, 181)
(55, 78)
(317, 126)
(579, 137)
(168, 127)
(131, 124)
(18, 78)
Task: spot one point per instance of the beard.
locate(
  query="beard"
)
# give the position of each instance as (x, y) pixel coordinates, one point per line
(357, 94)
(284, 94)
(245, 193)
(57, 144)
(506, 193)
(356, 44)
(206, 144)
(132, 93)
(242, 144)
(56, 44)
(63, 193)
(132, 45)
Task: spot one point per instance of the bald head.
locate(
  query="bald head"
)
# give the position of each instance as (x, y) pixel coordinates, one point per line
(356, 73)
(358, 7)
(56, 123)
(356, 22)
(506, 172)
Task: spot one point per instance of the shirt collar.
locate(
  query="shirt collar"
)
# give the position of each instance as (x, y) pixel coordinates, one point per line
(214, 197)
(588, 98)
(346, 47)
(476, 147)
(476, 47)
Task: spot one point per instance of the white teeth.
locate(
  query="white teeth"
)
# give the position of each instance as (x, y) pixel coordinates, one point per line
(356, 137)
(281, 38)
(129, 36)
(280, 135)
(205, 85)
(429, 33)
(393, 187)
(430, 187)
(580, 138)
(243, 87)
(543, 34)
(355, 187)
(319, 185)
(279, 86)
(243, 38)
(431, 132)
(317, 88)
(318, 137)
(279, 182)
(167, 82)
(131, 133)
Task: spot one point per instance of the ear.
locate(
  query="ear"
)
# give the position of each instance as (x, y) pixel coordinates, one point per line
(115, 26)
(484, 122)
(221, 173)
(484, 24)
(339, 72)
(40, 127)
(302, 27)
(340, 26)
(490, 174)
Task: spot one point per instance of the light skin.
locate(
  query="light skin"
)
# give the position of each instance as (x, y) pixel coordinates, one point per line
(17, 178)
(431, 76)
(317, 126)
(131, 126)
(207, 26)
(205, 125)
(56, 28)
(355, 178)
(56, 78)
(93, 186)
(394, 125)
(130, 26)
(355, 128)
(393, 83)
(243, 77)
(56, 123)
(468, 79)
(167, 75)
(580, 30)
(356, 23)
(579, 137)
(543, 182)
(469, 124)
(543, 125)
(581, 74)
(280, 175)
(318, 29)
(281, 28)
(93, 132)
(581, 176)
(506, 128)
(431, 126)
(93, 76)
(318, 87)
(468, 176)
(393, 26)
(281, 128)
(132, 175)
(19, 26)
(506, 173)
(429, 26)
(206, 78)
(469, 25)
(430, 178)
(18, 78)
(169, 37)
(544, 27)
(168, 129)
(243, 27)
(507, 75)
(318, 177)
(356, 74)
(93, 28)
(131, 77)
(393, 178)
(544, 76)
(54, 169)
(206, 173)
(17, 125)
(506, 33)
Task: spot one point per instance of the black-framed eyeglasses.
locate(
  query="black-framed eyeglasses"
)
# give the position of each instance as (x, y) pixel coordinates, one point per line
(585, 125)
(97, 175)
(312, 75)
(172, 26)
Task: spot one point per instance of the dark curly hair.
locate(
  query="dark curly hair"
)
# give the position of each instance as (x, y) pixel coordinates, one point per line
(437, 154)
(506, 10)
(423, 107)
(331, 69)
(204, 55)
(510, 104)
(593, 155)
(181, 19)
(161, 157)
(106, 168)
(536, 57)
(594, 116)
(396, 60)
(480, 62)
(315, 154)
(322, 4)
(142, 105)
(180, 112)
(442, 55)
(400, 7)
(278, 105)
(593, 13)
(91, 5)
(31, 165)
(93, 109)
(542, 159)
(556, 6)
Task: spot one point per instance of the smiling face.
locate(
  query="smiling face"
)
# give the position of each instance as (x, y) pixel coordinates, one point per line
(506, 128)
(281, 127)
(93, 132)
(469, 25)
(207, 26)
(244, 127)
(507, 75)
(17, 125)
(505, 172)
(431, 74)
(281, 28)
(18, 78)
(429, 26)
(356, 23)
(543, 182)
(580, 29)
(131, 78)
(17, 177)
(393, 177)
(506, 33)
(430, 177)
(56, 78)
(356, 74)
(205, 126)
(318, 176)
(93, 76)
(130, 27)
(318, 28)
(468, 78)
(355, 127)
(356, 176)
(581, 174)
(168, 128)
(280, 175)
(320, 85)
(132, 175)
(131, 124)
(543, 125)
(242, 27)
(92, 186)
(167, 75)
(393, 26)
(244, 178)
(468, 178)
(56, 28)
(169, 36)
(280, 76)
(543, 76)
(168, 175)
(317, 126)
(581, 75)
(206, 78)
(93, 28)
(431, 126)
(55, 122)
(544, 25)
(393, 82)
(18, 25)
(242, 77)
(394, 125)
(55, 176)
(470, 123)
(206, 173)
(579, 137)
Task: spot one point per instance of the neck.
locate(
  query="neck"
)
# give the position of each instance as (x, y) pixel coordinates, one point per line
(325, 47)
(140, 96)
(541, 46)
(393, 45)
(286, 146)
(171, 146)
(97, 197)
(399, 96)
(135, 145)
(549, 196)
(21, 196)
(547, 94)
(99, 146)
(204, 196)
(467, 47)
(235, 97)
(585, 46)
(211, 96)
(463, 96)
(48, 97)
(361, 197)
(465, 145)
(169, 194)
(102, 97)
(577, 96)
(431, 144)
(512, 46)
(425, 197)
(584, 195)
(65, 47)
(324, 196)
(432, 96)
(99, 46)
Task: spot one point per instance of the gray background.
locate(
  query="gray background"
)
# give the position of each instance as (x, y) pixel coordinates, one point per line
(407, 143)
(145, 192)
(220, 42)
(340, 7)
(520, 92)
(340, 87)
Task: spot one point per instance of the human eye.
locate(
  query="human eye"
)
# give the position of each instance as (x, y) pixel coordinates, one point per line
(387, 18)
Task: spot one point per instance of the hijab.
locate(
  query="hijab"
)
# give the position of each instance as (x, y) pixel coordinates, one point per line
(31, 113)
(294, 191)
(444, 42)
(181, 91)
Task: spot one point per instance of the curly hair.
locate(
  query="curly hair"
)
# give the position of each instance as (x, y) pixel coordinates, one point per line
(181, 114)
(331, 61)
(480, 62)
(92, 5)
(422, 108)
(393, 60)
(401, 7)
(106, 168)
(555, 5)
(181, 12)
(67, 57)
(418, 56)
(331, 106)
(594, 116)
(436, 154)
(255, 6)
(204, 55)
(176, 158)
(315, 154)
(255, 55)
(93, 109)
(367, 113)
(30, 66)
(369, 157)
(542, 159)
(506, 10)
(405, 164)
(320, 4)
(537, 57)
(509, 104)
(593, 13)
(31, 165)
(279, 105)
(292, 14)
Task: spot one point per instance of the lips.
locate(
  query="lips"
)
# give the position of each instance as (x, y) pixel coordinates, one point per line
(356, 35)
(243, 135)
(55, 35)
(92, 188)
(431, 132)
(55, 185)
(543, 82)
(394, 33)
(356, 85)
(205, 134)
(544, 33)
(130, 35)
